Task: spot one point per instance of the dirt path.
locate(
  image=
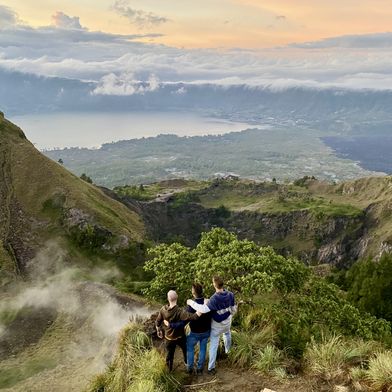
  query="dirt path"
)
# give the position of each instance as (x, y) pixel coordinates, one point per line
(230, 379)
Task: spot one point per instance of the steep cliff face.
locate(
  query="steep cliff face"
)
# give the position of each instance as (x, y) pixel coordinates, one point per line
(316, 221)
(332, 240)
(42, 201)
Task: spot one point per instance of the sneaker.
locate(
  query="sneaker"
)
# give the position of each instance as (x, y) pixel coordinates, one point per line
(189, 371)
(199, 372)
(212, 372)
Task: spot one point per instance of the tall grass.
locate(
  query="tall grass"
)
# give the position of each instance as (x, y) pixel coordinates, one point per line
(268, 359)
(137, 367)
(247, 344)
(379, 373)
(332, 358)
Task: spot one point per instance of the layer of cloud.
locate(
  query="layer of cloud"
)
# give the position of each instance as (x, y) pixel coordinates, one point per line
(138, 17)
(123, 65)
(369, 41)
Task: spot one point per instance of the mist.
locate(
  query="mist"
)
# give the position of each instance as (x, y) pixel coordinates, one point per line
(87, 315)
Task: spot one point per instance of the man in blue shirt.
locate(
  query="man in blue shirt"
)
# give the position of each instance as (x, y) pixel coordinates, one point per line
(222, 307)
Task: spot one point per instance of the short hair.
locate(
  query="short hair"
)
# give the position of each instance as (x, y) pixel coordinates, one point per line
(198, 288)
(172, 296)
(218, 281)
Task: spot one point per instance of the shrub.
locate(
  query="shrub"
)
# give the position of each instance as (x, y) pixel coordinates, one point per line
(370, 286)
(247, 344)
(379, 373)
(136, 367)
(332, 358)
(268, 359)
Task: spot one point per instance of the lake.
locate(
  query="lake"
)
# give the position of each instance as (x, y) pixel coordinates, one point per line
(60, 130)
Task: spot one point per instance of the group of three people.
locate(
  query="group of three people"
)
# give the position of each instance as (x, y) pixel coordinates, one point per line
(208, 319)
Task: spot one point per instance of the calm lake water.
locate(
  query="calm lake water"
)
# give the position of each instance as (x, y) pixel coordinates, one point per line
(59, 130)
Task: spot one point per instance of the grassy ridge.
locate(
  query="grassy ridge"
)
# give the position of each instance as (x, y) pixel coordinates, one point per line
(37, 179)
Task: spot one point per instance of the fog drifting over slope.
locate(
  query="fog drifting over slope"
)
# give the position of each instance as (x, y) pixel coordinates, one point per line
(92, 313)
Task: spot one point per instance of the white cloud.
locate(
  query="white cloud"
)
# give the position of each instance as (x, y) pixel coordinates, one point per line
(8, 17)
(122, 65)
(125, 84)
(62, 20)
(138, 17)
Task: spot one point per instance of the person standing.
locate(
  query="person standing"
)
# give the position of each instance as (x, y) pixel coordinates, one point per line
(199, 332)
(222, 307)
(172, 313)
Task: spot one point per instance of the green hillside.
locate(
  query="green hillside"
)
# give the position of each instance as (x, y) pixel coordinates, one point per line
(41, 201)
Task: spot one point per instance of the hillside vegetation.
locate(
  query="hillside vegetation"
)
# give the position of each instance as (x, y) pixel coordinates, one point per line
(61, 240)
(295, 330)
(41, 200)
(319, 222)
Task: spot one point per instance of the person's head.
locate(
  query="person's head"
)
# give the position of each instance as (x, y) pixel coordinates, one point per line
(172, 297)
(197, 290)
(217, 281)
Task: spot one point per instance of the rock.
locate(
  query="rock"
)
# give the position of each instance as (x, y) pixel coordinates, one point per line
(267, 390)
(385, 247)
(340, 388)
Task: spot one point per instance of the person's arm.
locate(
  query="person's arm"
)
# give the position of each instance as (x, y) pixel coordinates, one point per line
(201, 308)
(178, 324)
(233, 306)
(186, 316)
(158, 324)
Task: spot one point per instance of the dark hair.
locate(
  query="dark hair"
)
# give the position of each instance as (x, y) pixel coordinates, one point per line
(218, 281)
(198, 289)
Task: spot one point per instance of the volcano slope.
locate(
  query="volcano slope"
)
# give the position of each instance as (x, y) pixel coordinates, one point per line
(60, 240)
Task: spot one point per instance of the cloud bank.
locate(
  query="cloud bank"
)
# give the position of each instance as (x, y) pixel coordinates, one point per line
(127, 65)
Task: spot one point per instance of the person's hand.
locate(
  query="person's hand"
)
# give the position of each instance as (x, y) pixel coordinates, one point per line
(199, 313)
(160, 334)
(189, 302)
(205, 301)
(166, 323)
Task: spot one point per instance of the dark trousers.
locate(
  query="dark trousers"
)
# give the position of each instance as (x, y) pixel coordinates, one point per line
(171, 349)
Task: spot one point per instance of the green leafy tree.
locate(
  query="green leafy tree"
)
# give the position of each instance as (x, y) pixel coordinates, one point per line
(86, 178)
(171, 266)
(300, 304)
(369, 286)
(247, 268)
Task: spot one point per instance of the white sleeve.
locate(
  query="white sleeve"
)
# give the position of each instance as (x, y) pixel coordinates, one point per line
(199, 308)
(233, 309)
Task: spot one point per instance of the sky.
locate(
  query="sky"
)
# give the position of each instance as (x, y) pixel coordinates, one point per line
(217, 23)
(276, 43)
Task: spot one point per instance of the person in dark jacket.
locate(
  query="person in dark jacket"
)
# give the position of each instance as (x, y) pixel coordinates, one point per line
(199, 332)
(222, 307)
(174, 337)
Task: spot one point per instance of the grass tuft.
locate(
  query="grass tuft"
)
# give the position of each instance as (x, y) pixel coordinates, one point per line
(379, 373)
(247, 344)
(268, 359)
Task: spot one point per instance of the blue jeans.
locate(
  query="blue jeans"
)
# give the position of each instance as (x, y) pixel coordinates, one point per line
(216, 332)
(191, 341)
